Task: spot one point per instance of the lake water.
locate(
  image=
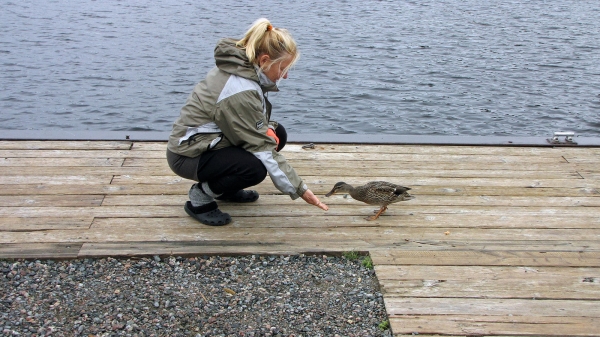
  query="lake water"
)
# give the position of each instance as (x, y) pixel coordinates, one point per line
(443, 67)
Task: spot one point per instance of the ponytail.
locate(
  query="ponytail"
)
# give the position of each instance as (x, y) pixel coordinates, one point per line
(262, 38)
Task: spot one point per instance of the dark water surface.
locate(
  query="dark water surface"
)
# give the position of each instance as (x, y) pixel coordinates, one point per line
(445, 67)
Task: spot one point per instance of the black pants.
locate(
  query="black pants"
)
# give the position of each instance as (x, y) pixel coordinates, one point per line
(226, 170)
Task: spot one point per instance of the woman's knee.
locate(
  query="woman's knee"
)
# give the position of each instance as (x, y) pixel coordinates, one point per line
(247, 167)
(182, 166)
(257, 173)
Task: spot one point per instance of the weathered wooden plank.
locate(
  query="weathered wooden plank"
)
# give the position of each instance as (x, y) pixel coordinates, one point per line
(586, 158)
(33, 163)
(470, 182)
(400, 173)
(515, 191)
(402, 212)
(142, 232)
(84, 170)
(418, 157)
(24, 250)
(343, 245)
(328, 182)
(195, 248)
(239, 223)
(421, 200)
(150, 146)
(451, 149)
(508, 325)
(485, 245)
(484, 258)
(445, 222)
(311, 167)
(56, 179)
(64, 145)
(515, 201)
(497, 289)
(117, 152)
(587, 174)
(404, 165)
(566, 275)
(52, 189)
(429, 149)
(385, 149)
(356, 173)
(491, 307)
(489, 282)
(18, 224)
(315, 156)
(81, 154)
(81, 200)
(182, 186)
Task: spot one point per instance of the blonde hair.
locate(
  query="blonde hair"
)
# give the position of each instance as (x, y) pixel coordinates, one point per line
(262, 38)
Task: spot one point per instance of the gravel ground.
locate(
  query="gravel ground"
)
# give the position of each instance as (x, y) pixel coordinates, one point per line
(199, 296)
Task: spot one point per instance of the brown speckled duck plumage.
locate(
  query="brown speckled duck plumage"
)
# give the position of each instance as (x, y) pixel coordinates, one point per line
(380, 193)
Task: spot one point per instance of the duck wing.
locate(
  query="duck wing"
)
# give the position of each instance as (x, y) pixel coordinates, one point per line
(379, 193)
(384, 187)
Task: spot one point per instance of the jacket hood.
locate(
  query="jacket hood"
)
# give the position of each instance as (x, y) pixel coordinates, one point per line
(233, 60)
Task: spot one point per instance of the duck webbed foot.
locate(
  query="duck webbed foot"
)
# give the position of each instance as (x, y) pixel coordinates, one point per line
(377, 213)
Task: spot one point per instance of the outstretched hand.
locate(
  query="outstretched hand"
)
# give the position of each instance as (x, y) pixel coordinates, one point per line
(312, 199)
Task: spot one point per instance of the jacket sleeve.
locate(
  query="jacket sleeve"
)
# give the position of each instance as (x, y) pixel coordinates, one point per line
(242, 121)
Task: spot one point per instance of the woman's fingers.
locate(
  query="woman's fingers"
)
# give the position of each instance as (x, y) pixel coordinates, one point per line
(322, 206)
(312, 199)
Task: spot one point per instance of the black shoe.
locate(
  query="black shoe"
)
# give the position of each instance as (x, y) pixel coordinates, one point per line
(208, 214)
(240, 196)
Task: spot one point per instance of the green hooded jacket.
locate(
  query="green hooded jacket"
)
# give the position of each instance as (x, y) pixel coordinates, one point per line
(229, 108)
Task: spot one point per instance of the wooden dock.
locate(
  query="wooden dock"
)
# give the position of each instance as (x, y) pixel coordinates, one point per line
(499, 240)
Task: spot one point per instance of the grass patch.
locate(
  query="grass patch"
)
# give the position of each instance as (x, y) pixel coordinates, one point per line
(367, 262)
(364, 260)
(385, 325)
(351, 255)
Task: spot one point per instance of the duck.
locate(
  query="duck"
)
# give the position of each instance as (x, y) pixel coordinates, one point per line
(380, 193)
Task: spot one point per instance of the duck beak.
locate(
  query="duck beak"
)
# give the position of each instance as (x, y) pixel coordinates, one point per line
(331, 192)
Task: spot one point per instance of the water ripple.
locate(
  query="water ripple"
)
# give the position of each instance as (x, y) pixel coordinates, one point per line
(445, 67)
